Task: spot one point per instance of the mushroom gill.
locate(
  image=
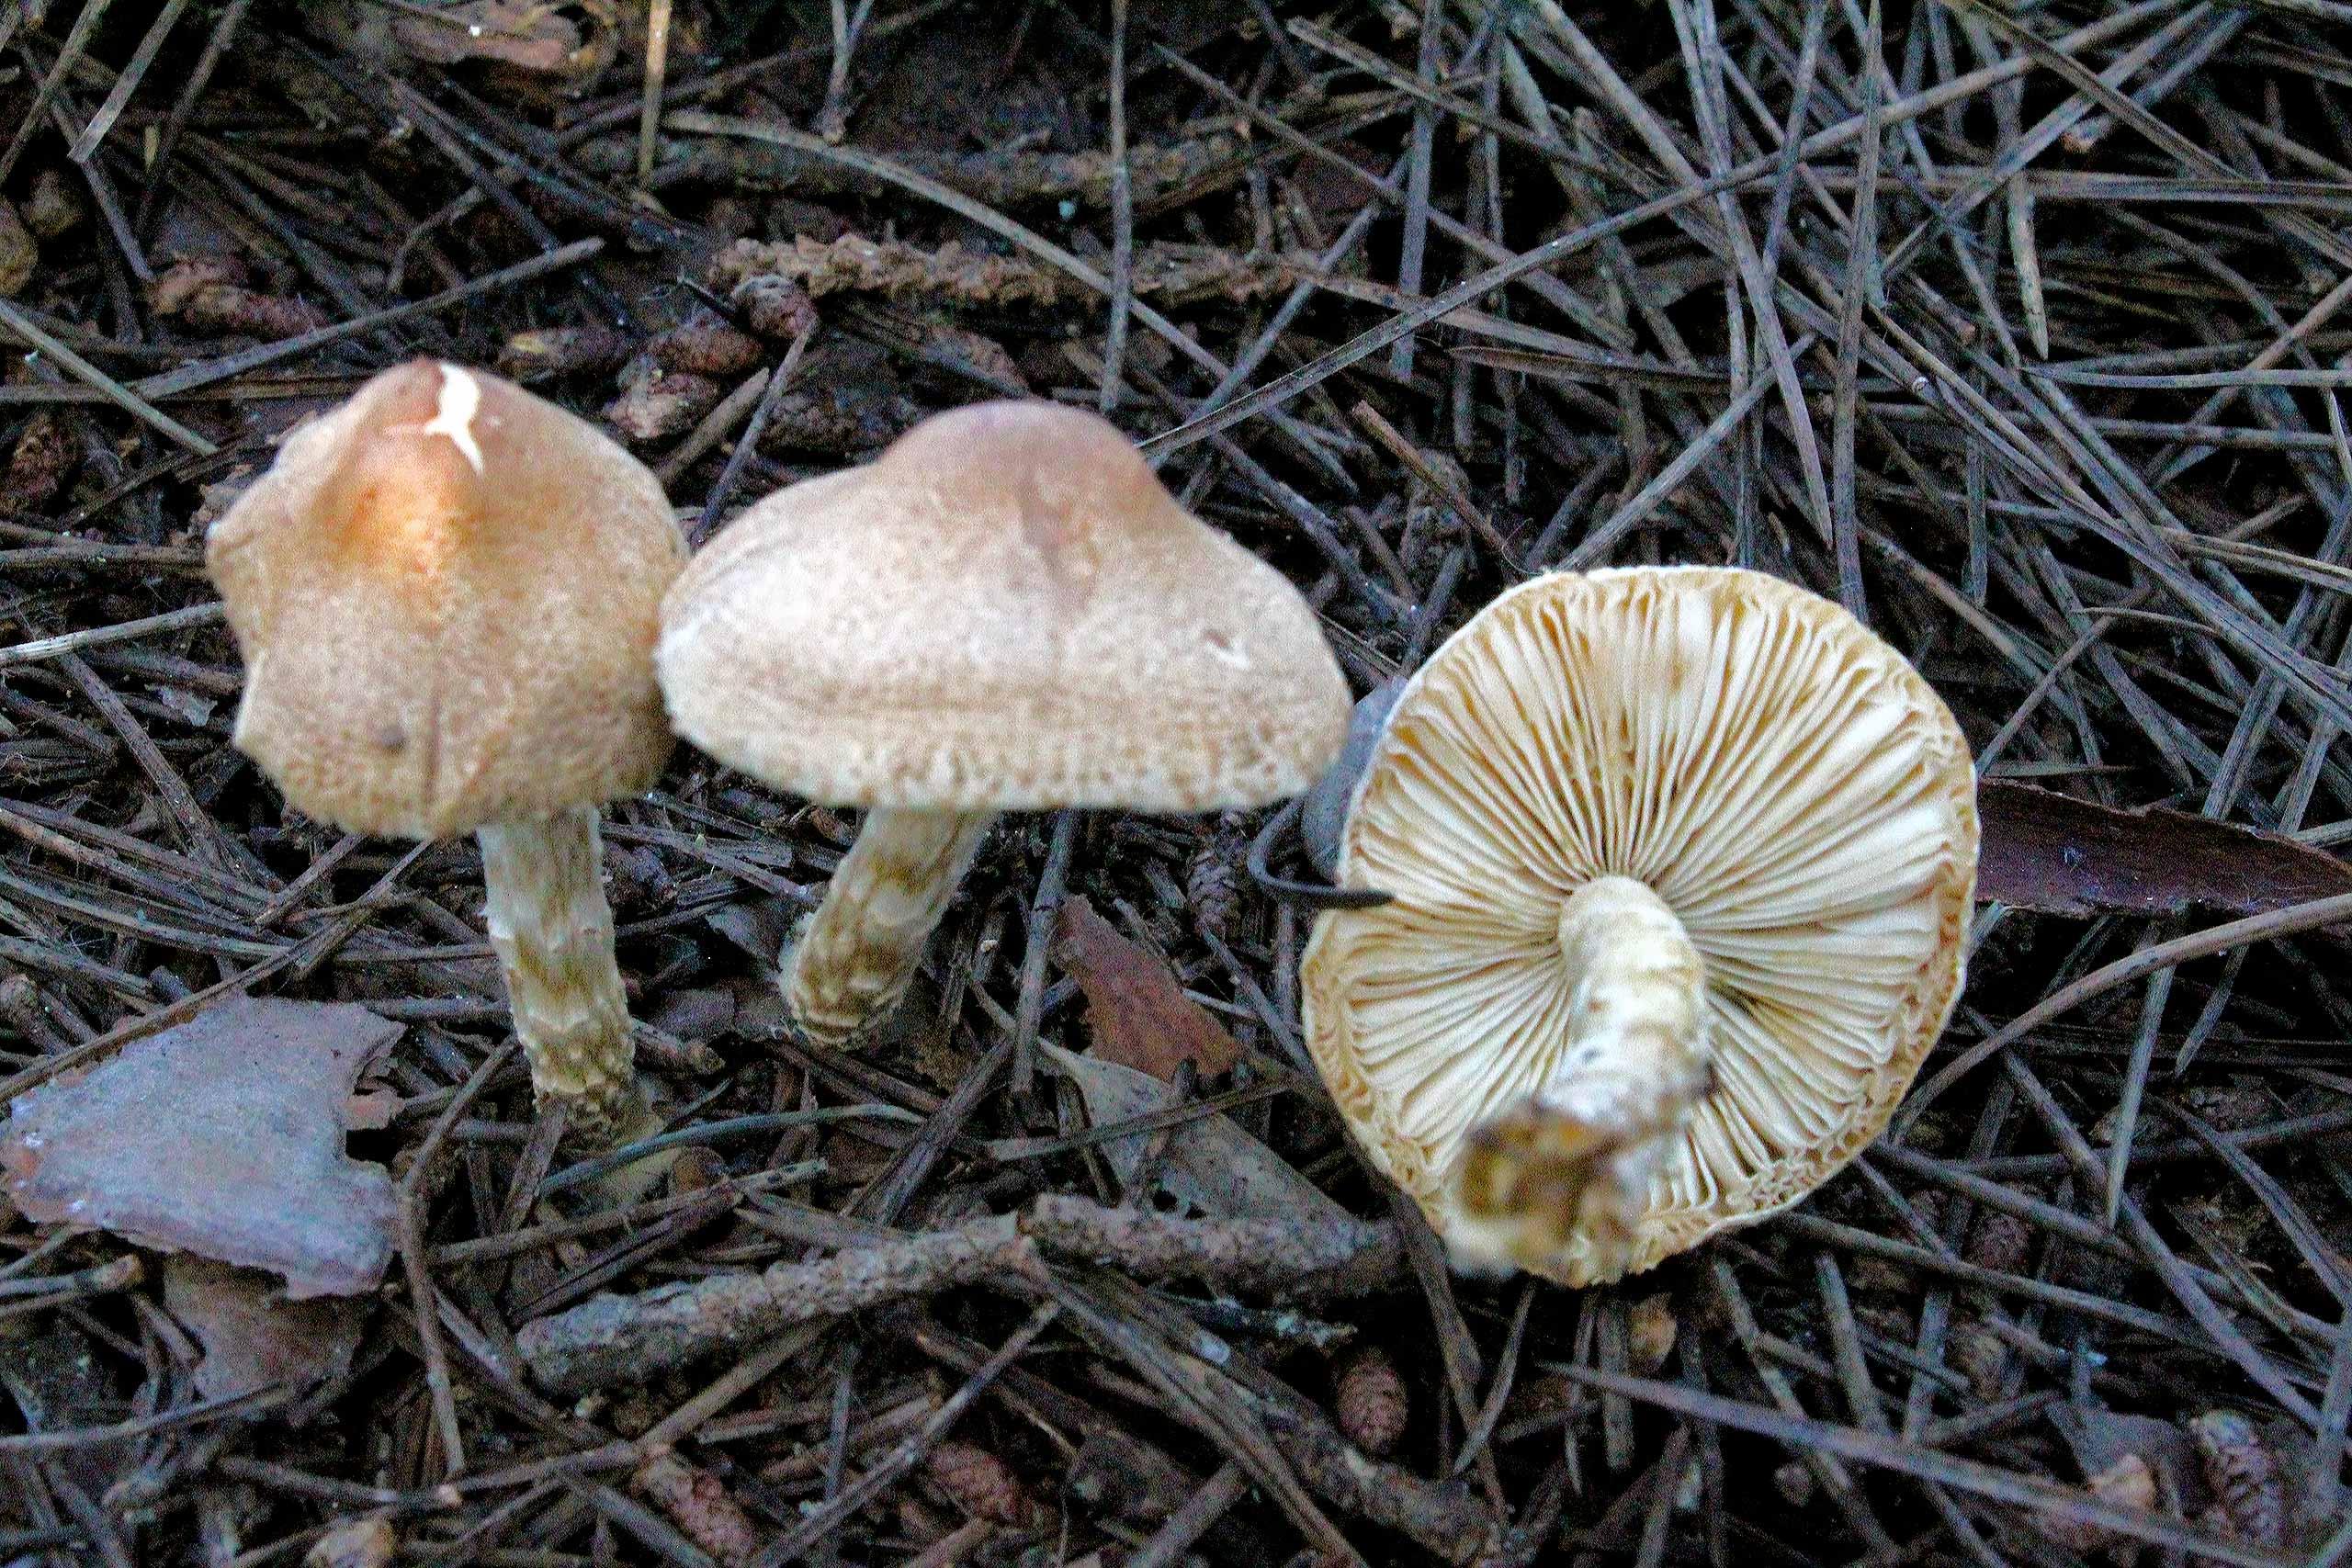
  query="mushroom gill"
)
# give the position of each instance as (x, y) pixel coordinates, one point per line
(1776, 817)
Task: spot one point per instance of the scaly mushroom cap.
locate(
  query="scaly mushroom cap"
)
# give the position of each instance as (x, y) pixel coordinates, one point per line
(446, 591)
(1004, 611)
(1789, 787)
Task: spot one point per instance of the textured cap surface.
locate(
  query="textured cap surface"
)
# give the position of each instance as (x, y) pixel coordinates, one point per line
(1779, 777)
(446, 591)
(1004, 611)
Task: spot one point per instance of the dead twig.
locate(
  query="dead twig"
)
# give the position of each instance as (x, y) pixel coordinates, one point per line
(620, 1338)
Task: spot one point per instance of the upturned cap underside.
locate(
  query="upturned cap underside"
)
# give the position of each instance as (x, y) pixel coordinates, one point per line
(1781, 778)
(1004, 611)
(446, 591)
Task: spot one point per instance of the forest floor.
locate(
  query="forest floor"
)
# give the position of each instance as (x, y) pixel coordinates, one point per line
(2016, 328)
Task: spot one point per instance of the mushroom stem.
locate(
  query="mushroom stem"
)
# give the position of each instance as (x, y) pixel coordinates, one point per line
(1577, 1155)
(865, 942)
(553, 933)
(1637, 1020)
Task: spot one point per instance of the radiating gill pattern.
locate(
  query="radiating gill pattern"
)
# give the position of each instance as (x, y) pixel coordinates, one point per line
(1793, 792)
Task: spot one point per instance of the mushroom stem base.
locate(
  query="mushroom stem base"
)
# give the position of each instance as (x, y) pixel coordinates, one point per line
(1573, 1161)
(866, 941)
(553, 932)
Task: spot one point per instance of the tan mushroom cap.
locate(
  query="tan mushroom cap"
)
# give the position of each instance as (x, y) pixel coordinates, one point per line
(1005, 611)
(1789, 785)
(446, 591)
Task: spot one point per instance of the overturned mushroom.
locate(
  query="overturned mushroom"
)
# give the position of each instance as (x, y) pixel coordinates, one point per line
(1005, 611)
(445, 592)
(1682, 859)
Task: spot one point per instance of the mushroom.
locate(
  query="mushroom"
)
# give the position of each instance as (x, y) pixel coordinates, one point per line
(1681, 860)
(1004, 611)
(445, 592)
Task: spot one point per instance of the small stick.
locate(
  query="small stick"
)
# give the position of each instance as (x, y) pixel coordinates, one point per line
(424, 1300)
(514, 1243)
(657, 70)
(2277, 923)
(98, 637)
(833, 120)
(206, 837)
(714, 426)
(43, 1292)
(216, 47)
(1192, 1520)
(115, 392)
(1031, 1004)
(618, 1339)
(819, 1522)
(761, 412)
(65, 1439)
(86, 144)
(300, 888)
(69, 55)
(187, 378)
(1414, 247)
(1444, 488)
(1123, 219)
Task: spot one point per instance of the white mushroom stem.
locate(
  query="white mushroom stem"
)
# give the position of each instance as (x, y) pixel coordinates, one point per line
(553, 933)
(1637, 1050)
(866, 941)
(1577, 1155)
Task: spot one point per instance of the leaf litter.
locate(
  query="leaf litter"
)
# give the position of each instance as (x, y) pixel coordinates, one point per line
(223, 1137)
(1140, 1016)
(2056, 855)
(1409, 298)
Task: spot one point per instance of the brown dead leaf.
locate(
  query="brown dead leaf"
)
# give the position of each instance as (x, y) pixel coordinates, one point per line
(371, 1112)
(760, 927)
(527, 46)
(2057, 855)
(696, 1015)
(223, 1137)
(1142, 1018)
(525, 34)
(253, 1337)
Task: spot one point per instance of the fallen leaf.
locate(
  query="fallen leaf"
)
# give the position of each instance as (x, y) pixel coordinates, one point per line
(1211, 1166)
(371, 1110)
(1141, 1017)
(525, 34)
(223, 1137)
(2100, 1439)
(2057, 855)
(532, 51)
(760, 927)
(253, 1335)
(697, 1016)
(760, 1012)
